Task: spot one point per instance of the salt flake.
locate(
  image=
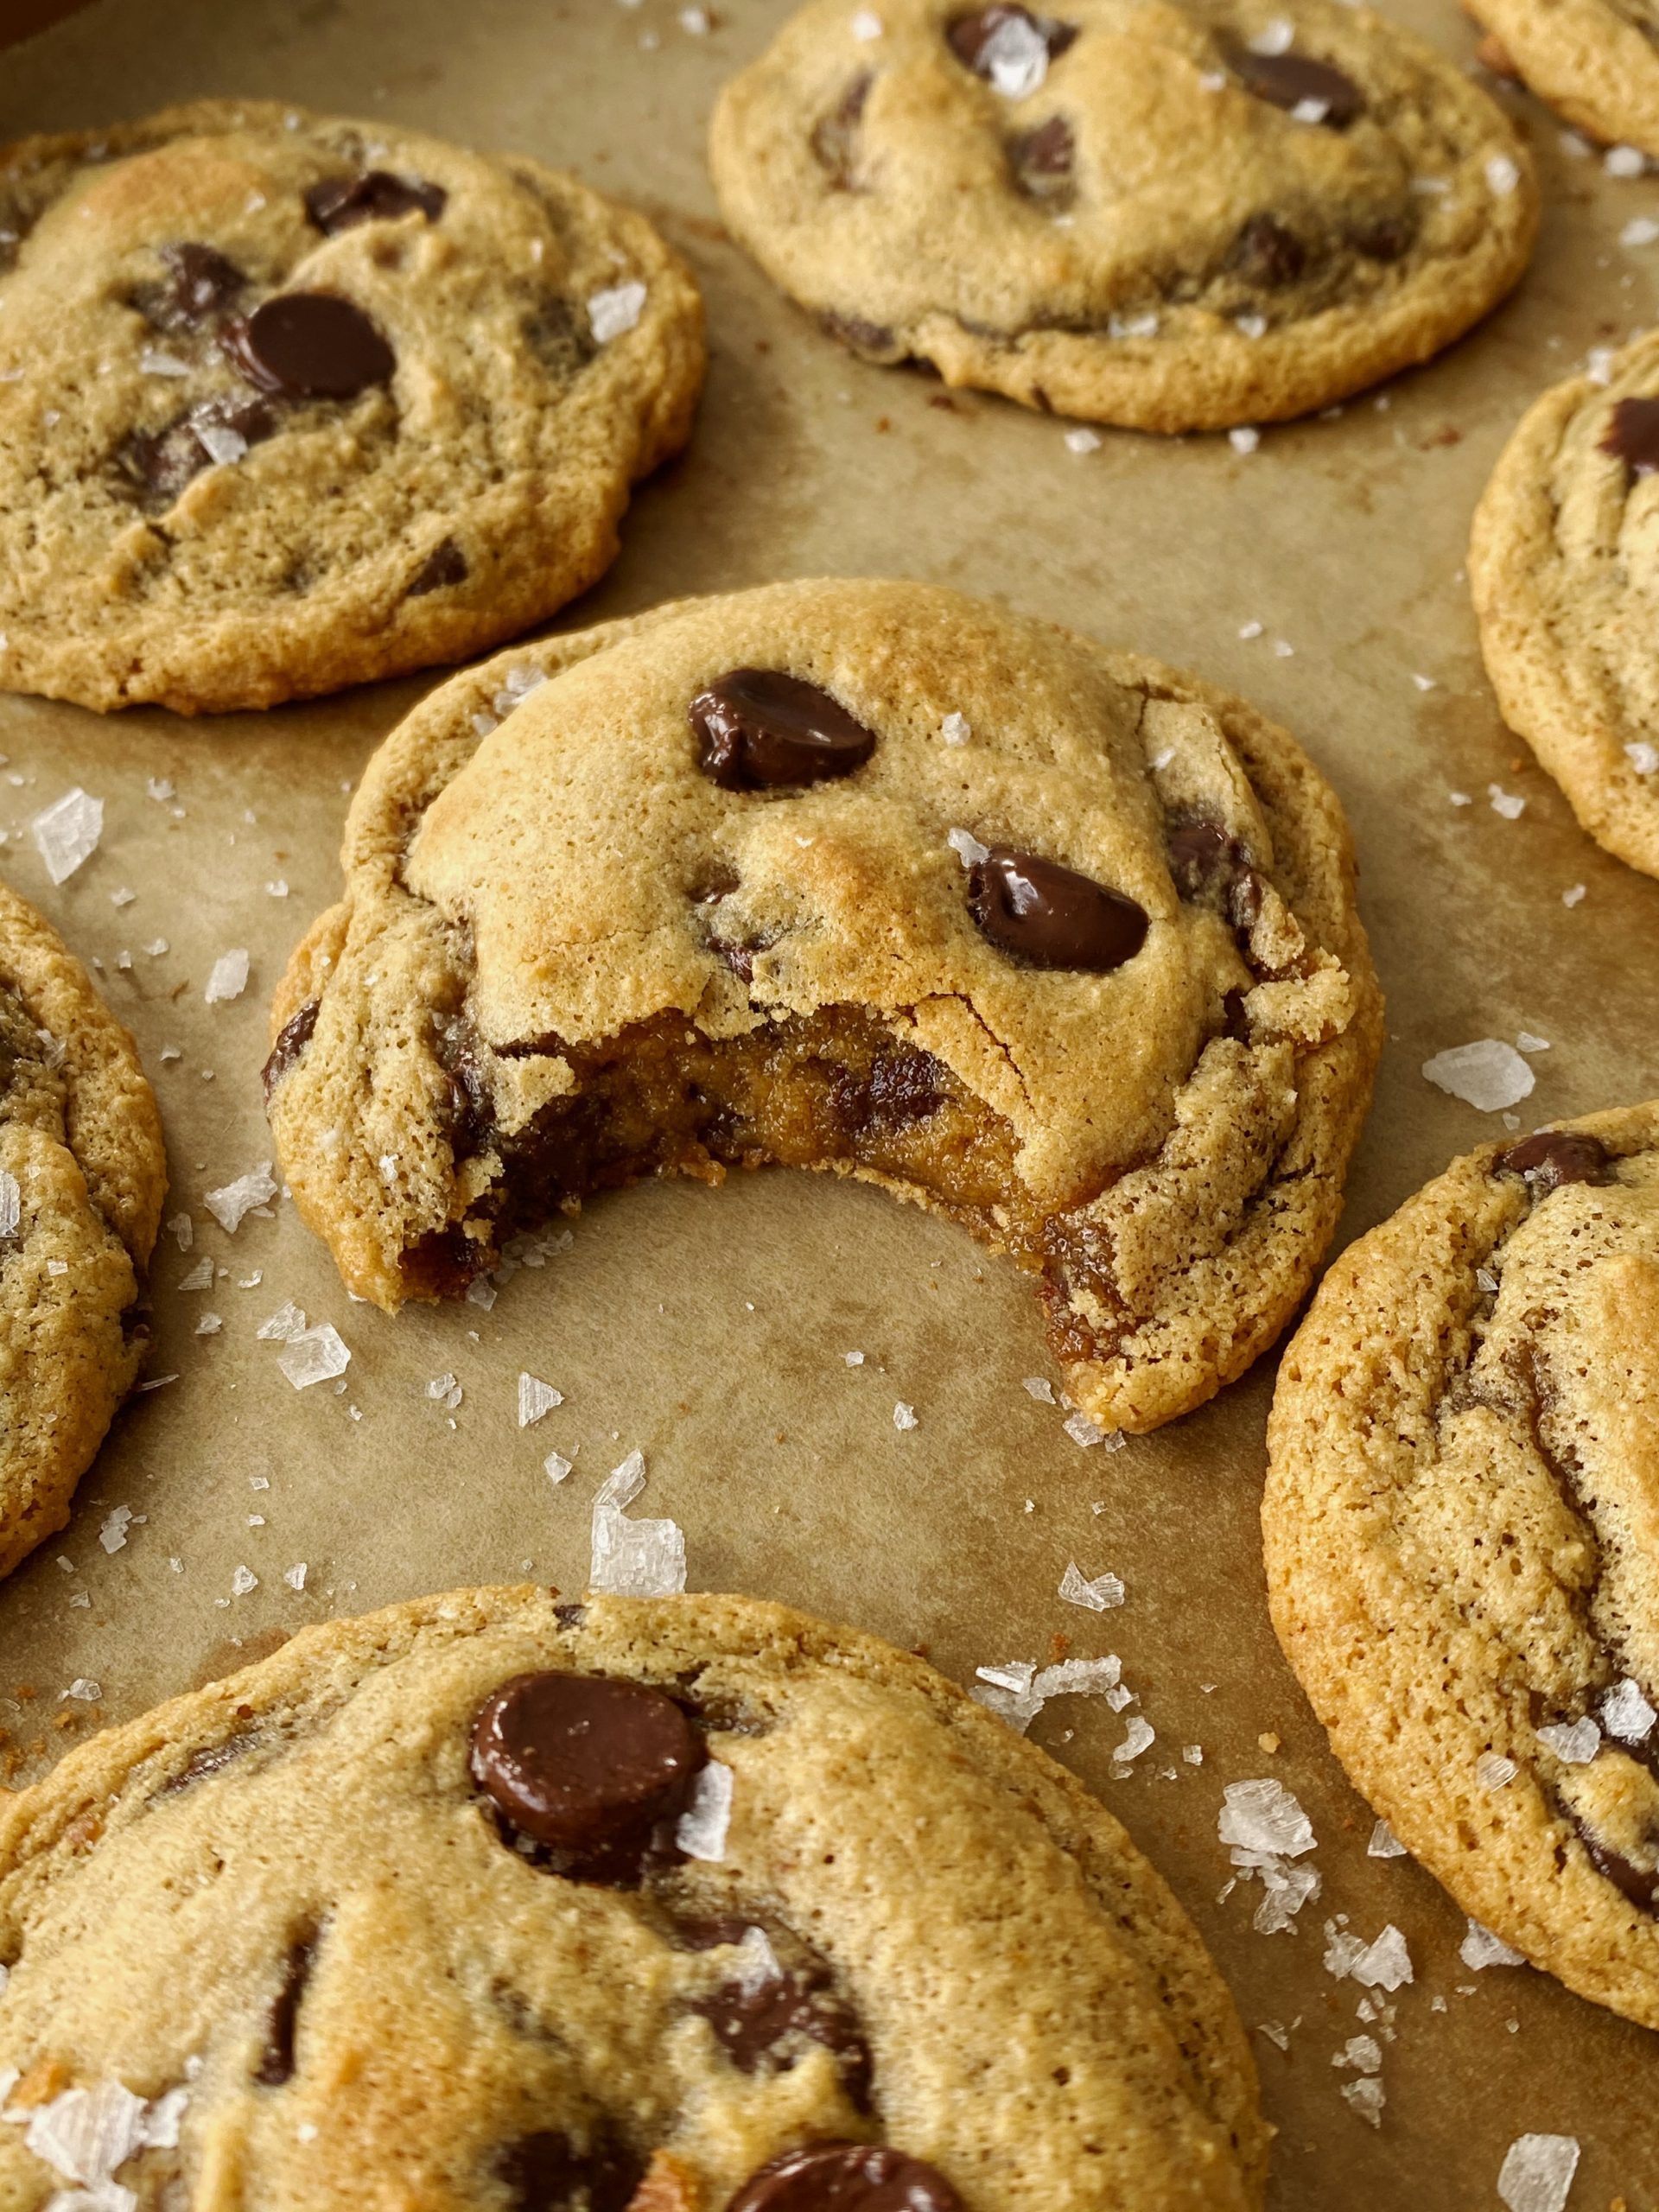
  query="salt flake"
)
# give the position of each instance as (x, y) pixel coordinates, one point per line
(1096, 1597)
(537, 1399)
(11, 1203)
(633, 1559)
(314, 1356)
(1537, 2172)
(1014, 57)
(616, 310)
(1627, 1713)
(1480, 1949)
(702, 1830)
(1574, 1743)
(967, 847)
(1384, 1844)
(232, 1202)
(1489, 1074)
(66, 833)
(229, 978)
(1264, 1817)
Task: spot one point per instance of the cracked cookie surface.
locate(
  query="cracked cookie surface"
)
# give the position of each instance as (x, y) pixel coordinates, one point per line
(287, 401)
(82, 1177)
(1462, 1528)
(1172, 218)
(1564, 566)
(1595, 62)
(1049, 938)
(317, 1873)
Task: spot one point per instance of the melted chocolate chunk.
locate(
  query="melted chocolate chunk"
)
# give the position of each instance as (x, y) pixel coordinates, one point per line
(160, 463)
(970, 35)
(591, 1768)
(1266, 255)
(309, 346)
(1552, 1157)
(835, 137)
(762, 2027)
(1287, 80)
(1388, 239)
(760, 729)
(1051, 917)
(547, 2173)
(1634, 436)
(291, 1041)
(339, 202)
(444, 564)
(1042, 159)
(1642, 1889)
(276, 2060)
(204, 285)
(846, 2177)
(208, 1761)
(1204, 857)
(901, 1087)
(871, 338)
(570, 1616)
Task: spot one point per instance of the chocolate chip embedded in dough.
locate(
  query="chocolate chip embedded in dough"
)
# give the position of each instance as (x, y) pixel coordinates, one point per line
(761, 2026)
(834, 136)
(338, 203)
(1289, 80)
(1633, 437)
(1042, 160)
(1052, 917)
(970, 35)
(276, 2060)
(546, 2172)
(444, 564)
(1641, 1888)
(1551, 1157)
(310, 345)
(760, 729)
(204, 285)
(846, 2177)
(874, 340)
(291, 1041)
(1265, 254)
(162, 462)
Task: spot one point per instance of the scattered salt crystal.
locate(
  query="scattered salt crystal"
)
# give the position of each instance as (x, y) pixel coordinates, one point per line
(1014, 57)
(1083, 440)
(1572, 895)
(161, 2120)
(85, 1691)
(232, 1202)
(1488, 1074)
(1424, 682)
(1575, 145)
(1480, 1948)
(220, 443)
(243, 1581)
(184, 1229)
(866, 25)
(517, 686)
(1367, 2097)
(113, 1535)
(201, 1277)
(1141, 1734)
(284, 1325)
(11, 1203)
(536, 1400)
(1503, 174)
(1096, 1597)
(1640, 230)
(696, 21)
(1460, 798)
(555, 1466)
(757, 1962)
(153, 362)
(633, 1559)
(1193, 1754)
(967, 847)
(1599, 365)
(1494, 1771)
(1245, 439)
(1275, 38)
(1574, 1743)
(66, 833)
(295, 1575)
(1041, 1388)
(904, 1416)
(1642, 756)
(1537, 2171)
(1385, 1964)
(1018, 1692)
(441, 1386)
(615, 310)
(1250, 629)
(1363, 2053)
(1275, 2033)
(854, 1358)
(86, 2135)
(1264, 1817)
(1624, 160)
(954, 729)
(1525, 1041)
(1384, 1844)
(1283, 648)
(1082, 1431)
(123, 897)
(1309, 111)
(1509, 804)
(1627, 1713)
(160, 789)
(1251, 326)
(229, 978)
(702, 1830)
(314, 1356)
(481, 1292)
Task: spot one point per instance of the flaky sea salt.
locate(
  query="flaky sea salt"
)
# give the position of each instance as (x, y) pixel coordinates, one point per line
(295, 1575)
(1640, 230)
(702, 1830)
(1489, 1074)
(954, 729)
(865, 26)
(1367, 2097)
(11, 1203)
(1096, 1597)
(220, 443)
(1083, 440)
(1480, 1949)
(904, 1416)
(1575, 1742)
(633, 1559)
(1245, 439)
(232, 1202)
(1537, 2172)
(1018, 1690)
(314, 1356)
(243, 1581)
(1494, 1771)
(1573, 894)
(1014, 57)
(113, 1535)
(967, 847)
(229, 978)
(1263, 1815)
(1503, 174)
(1385, 1964)
(1627, 1713)
(1384, 1844)
(1624, 160)
(84, 1690)
(1509, 804)
(1277, 35)
(283, 1325)
(1141, 1737)
(1038, 1386)
(86, 2134)
(1642, 756)
(1082, 1430)
(536, 1400)
(66, 833)
(615, 310)
(153, 362)
(555, 1466)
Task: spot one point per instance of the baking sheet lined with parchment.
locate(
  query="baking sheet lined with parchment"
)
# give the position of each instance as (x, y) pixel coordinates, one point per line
(1320, 575)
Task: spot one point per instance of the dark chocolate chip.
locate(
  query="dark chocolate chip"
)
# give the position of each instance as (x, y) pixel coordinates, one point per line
(846, 2177)
(835, 137)
(560, 341)
(339, 203)
(874, 338)
(589, 1767)
(1389, 238)
(757, 729)
(444, 564)
(1204, 857)
(570, 1616)
(1265, 254)
(276, 2059)
(310, 345)
(162, 462)
(291, 1041)
(547, 2173)
(1287, 80)
(1042, 159)
(1051, 917)
(204, 285)
(211, 1760)
(1642, 1889)
(970, 35)
(740, 958)
(1551, 1157)
(762, 2027)
(1634, 436)
(902, 1086)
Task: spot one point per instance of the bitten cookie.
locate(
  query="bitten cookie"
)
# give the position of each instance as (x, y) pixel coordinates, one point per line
(287, 403)
(671, 1905)
(1564, 565)
(1594, 60)
(1172, 218)
(862, 876)
(1462, 1524)
(82, 1177)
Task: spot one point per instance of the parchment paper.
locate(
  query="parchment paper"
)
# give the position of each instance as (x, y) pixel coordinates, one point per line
(707, 1327)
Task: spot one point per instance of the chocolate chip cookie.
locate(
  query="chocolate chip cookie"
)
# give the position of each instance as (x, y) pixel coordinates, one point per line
(82, 1177)
(1594, 60)
(860, 876)
(287, 403)
(1174, 217)
(668, 1905)
(1565, 574)
(1462, 1524)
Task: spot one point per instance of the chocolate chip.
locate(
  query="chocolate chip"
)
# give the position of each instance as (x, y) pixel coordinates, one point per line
(1389, 238)
(1634, 437)
(1042, 159)
(292, 1041)
(1266, 255)
(970, 35)
(204, 285)
(339, 202)
(444, 564)
(762, 2027)
(1642, 1889)
(1552, 1157)
(570, 1616)
(901, 1087)
(162, 462)
(276, 2060)
(874, 338)
(210, 1760)
(1051, 917)
(589, 1767)
(1204, 858)
(835, 137)
(547, 2173)
(757, 729)
(562, 343)
(309, 346)
(1287, 80)
(846, 2177)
